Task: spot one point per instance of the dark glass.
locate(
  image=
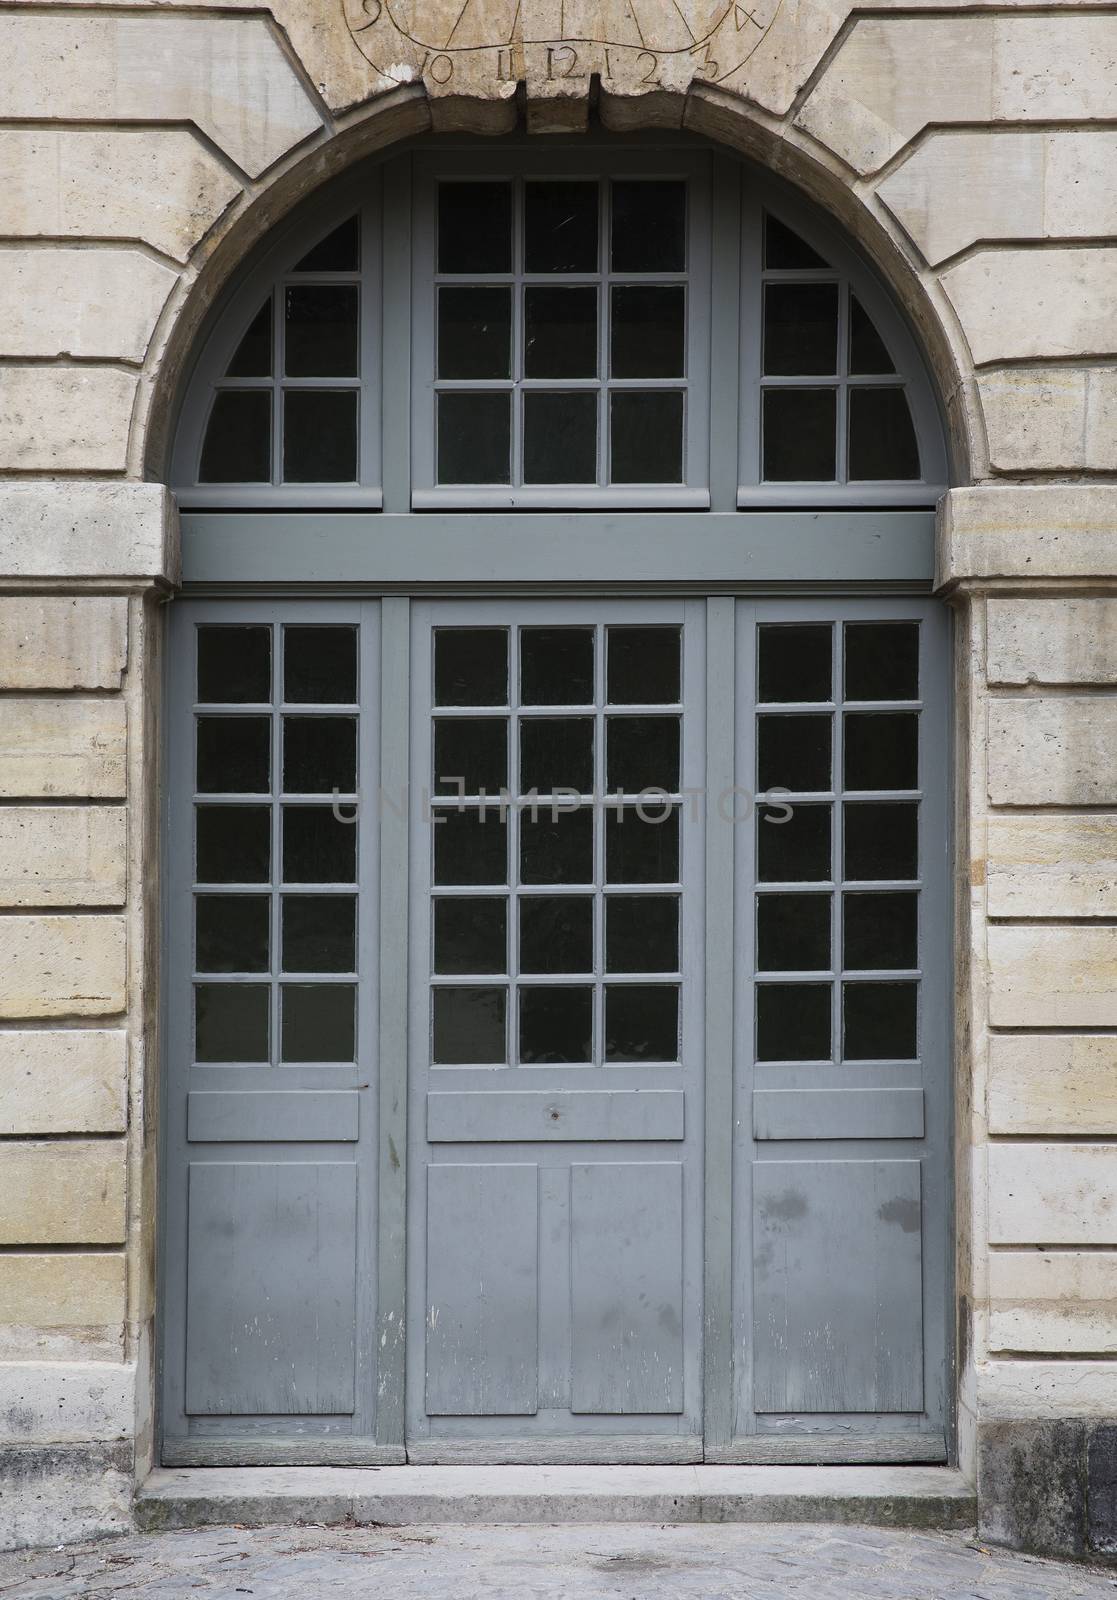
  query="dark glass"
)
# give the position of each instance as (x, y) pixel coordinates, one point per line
(252, 357)
(867, 352)
(800, 441)
(556, 753)
(556, 666)
(642, 753)
(560, 438)
(556, 847)
(560, 226)
(881, 931)
(648, 330)
(233, 755)
(234, 666)
(320, 330)
(320, 436)
(801, 329)
(881, 839)
(474, 438)
(471, 666)
(639, 851)
(470, 754)
(317, 847)
(320, 666)
(560, 331)
(641, 1022)
(339, 251)
(556, 933)
(882, 660)
(649, 225)
(556, 1025)
(475, 227)
(793, 849)
(793, 752)
(470, 846)
(231, 933)
(641, 933)
(231, 1021)
(879, 1021)
(643, 666)
(319, 755)
(475, 332)
(233, 844)
(794, 662)
(319, 933)
(237, 445)
(793, 932)
(646, 436)
(471, 935)
(468, 1026)
(784, 251)
(793, 1022)
(319, 1022)
(882, 750)
(882, 441)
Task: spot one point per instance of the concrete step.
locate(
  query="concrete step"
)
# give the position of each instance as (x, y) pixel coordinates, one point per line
(894, 1497)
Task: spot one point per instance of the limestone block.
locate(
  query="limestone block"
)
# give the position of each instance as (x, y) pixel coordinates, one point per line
(1051, 866)
(1014, 303)
(59, 642)
(1062, 1301)
(63, 856)
(157, 184)
(1050, 419)
(58, 301)
(63, 1493)
(1053, 977)
(79, 1400)
(1033, 1389)
(1044, 1083)
(1053, 752)
(58, 749)
(69, 529)
(1065, 640)
(1029, 531)
(68, 1191)
(69, 419)
(61, 1307)
(62, 966)
(62, 1080)
(1052, 1194)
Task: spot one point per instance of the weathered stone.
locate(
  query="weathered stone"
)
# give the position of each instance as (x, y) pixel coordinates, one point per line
(64, 1492)
(1050, 419)
(1030, 1486)
(56, 642)
(1034, 531)
(71, 529)
(63, 856)
(68, 419)
(63, 1307)
(1012, 304)
(1051, 866)
(70, 1080)
(62, 966)
(62, 749)
(1101, 1488)
(1026, 1389)
(1052, 1194)
(1045, 1083)
(1058, 1301)
(68, 1191)
(58, 301)
(1060, 640)
(1054, 751)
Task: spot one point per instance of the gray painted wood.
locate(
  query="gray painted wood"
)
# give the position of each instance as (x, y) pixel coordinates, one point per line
(223, 1116)
(838, 1114)
(454, 1117)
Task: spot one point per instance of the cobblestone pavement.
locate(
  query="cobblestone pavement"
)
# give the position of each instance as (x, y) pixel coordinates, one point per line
(617, 1562)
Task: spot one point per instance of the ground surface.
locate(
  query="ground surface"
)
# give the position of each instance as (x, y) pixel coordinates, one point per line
(758, 1562)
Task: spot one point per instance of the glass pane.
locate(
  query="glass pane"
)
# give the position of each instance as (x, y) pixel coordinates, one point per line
(339, 251)
(475, 332)
(793, 933)
(470, 754)
(795, 662)
(560, 332)
(784, 251)
(639, 851)
(643, 666)
(234, 665)
(474, 438)
(795, 848)
(231, 1021)
(556, 1025)
(233, 755)
(320, 436)
(252, 357)
(471, 666)
(556, 753)
(319, 1022)
(646, 437)
(641, 933)
(867, 352)
(237, 447)
(320, 666)
(471, 934)
(317, 846)
(801, 328)
(793, 1022)
(233, 844)
(560, 438)
(881, 931)
(642, 753)
(319, 755)
(470, 846)
(319, 933)
(648, 331)
(881, 840)
(792, 753)
(800, 441)
(320, 330)
(649, 225)
(641, 1022)
(231, 933)
(882, 660)
(556, 847)
(556, 933)
(880, 1021)
(560, 226)
(881, 436)
(881, 750)
(468, 1026)
(556, 666)
(475, 227)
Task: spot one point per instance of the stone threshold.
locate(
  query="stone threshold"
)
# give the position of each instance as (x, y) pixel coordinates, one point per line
(885, 1496)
